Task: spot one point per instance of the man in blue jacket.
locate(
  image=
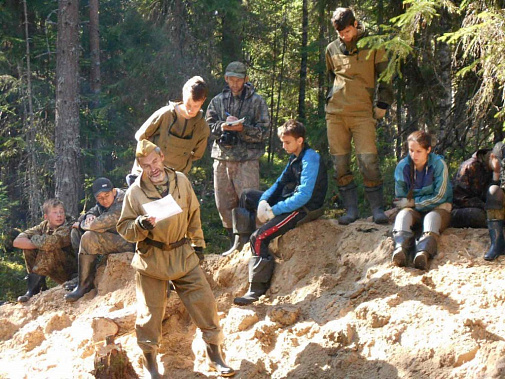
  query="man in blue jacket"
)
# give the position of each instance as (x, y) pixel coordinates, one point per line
(297, 196)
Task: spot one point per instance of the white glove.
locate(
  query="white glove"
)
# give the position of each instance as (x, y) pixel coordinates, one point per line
(264, 212)
(404, 203)
(379, 113)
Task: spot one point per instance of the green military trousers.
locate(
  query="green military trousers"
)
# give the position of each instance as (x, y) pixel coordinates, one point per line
(196, 295)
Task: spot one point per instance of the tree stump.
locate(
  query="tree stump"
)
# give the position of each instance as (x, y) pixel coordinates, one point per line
(111, 362)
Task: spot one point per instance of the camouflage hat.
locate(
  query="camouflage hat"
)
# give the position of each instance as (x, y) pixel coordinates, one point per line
(102, 185)
(144, 148)
(237, 69)
(498, 150)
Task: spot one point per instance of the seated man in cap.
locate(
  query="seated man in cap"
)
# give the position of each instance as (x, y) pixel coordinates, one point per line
(471, 185)
(166, 251)
(95, 233)
(47, 249)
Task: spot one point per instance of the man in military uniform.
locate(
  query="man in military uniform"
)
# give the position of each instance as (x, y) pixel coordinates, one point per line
(237, 145)
(95, 233)
(165, 252)
(351, 114)
(47, 250)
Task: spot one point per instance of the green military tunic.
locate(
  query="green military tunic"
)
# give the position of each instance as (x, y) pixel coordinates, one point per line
(156, 265)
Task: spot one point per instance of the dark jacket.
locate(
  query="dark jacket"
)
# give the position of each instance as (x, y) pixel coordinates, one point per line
(472, 181)
(303, 183)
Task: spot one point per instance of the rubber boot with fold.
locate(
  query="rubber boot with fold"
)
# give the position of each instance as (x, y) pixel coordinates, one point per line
(404, 244)
(349, 194)
(216, 361)
(243, 227)
(260, 273)
(497, 241)
(150, 364)
(87, 263)
(376, 200)
(426, 249)
(35, 284)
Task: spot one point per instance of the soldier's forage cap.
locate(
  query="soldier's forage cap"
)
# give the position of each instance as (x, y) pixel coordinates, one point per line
(237, 69)
(144, 148)
(498, 150)
(102, 185)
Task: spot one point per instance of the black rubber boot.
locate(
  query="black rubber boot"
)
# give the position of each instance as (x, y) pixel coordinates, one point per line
(426, 249)
(404, 244)
(349, 196)
(497, 241)
(87, 263)
(243, 227)
(35, 284)
(376, 200)
(260, 274)
(151, 364)
(216, 361)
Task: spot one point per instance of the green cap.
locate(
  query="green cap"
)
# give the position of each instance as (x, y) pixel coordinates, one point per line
(237, 69)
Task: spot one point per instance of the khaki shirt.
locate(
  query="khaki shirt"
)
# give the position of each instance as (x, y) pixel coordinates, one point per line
(354, 72)
(150, 260)
(181, 141)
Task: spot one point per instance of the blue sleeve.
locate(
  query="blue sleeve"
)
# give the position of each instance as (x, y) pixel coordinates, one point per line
(401, 187)
(442, 191)
(303, 193)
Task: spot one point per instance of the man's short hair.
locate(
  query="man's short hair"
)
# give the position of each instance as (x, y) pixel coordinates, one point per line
(342, 18)
(50, 204)
(197, 88)
(292, 128)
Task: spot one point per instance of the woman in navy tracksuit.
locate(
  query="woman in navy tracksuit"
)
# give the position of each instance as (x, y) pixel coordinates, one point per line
(299, 191)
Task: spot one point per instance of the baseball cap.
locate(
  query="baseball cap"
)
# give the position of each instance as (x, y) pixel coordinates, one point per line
(102, 185)
(237, 69)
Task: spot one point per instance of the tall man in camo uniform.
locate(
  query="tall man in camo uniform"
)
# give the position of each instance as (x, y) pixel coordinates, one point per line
(95, 233)
(237, 148)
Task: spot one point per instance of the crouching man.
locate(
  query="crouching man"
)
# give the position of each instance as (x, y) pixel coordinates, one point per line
(297, 196)
(166, 251)
(47, 250)
(95, 233)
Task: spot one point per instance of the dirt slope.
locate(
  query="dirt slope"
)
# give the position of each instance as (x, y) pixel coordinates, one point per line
(337, 308)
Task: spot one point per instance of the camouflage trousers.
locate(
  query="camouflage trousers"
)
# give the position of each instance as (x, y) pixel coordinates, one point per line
(195, 293)
(58, 264)
(231, 178)
(90, 242)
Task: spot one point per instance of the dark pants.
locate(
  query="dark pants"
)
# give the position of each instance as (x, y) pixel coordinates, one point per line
(278, 226)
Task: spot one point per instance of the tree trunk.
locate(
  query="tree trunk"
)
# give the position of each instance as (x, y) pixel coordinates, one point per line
(96, 83)
(66, 145)
(303, 63)
(34, 193)
(321, 76)
(231, 32)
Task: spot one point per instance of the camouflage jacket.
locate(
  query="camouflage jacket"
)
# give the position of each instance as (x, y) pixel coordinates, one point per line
(353, 74)
(472, 181)
(251, 141)
(106, 218)
(46, 239)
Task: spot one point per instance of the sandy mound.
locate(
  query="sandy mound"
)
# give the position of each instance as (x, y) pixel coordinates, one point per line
(337, 308)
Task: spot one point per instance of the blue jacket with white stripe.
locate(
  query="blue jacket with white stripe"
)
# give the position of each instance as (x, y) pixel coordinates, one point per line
(435, 189)
(303, 183)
